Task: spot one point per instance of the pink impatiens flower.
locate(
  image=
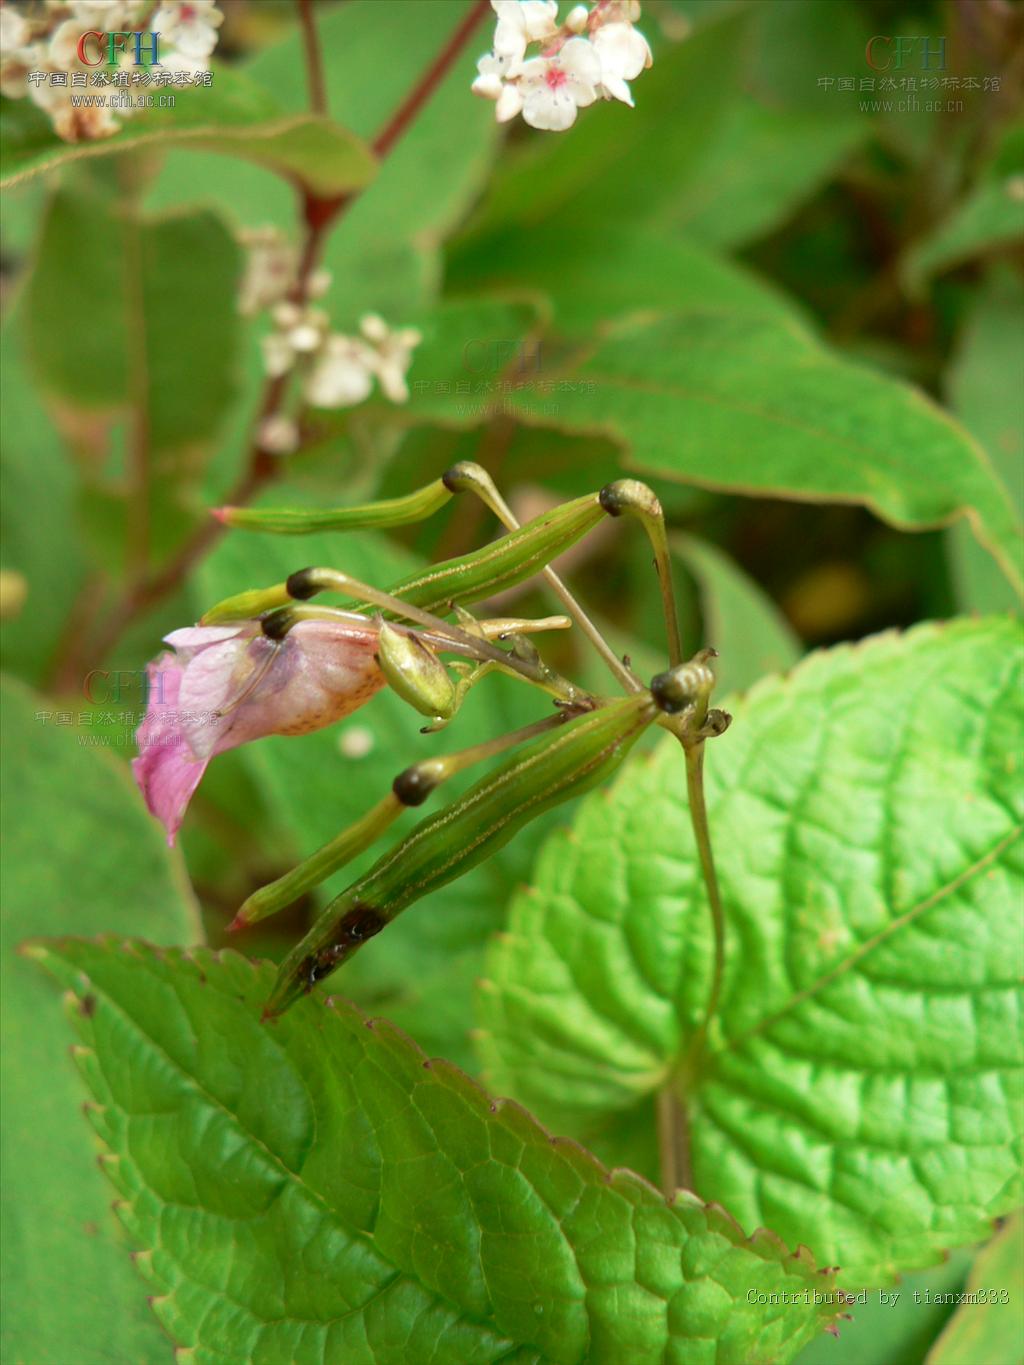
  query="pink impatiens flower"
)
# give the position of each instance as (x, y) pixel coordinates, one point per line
(226, 685)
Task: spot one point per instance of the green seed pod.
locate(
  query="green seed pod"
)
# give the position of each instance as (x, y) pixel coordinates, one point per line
(564, 764)
(299, 521)
(415, 672)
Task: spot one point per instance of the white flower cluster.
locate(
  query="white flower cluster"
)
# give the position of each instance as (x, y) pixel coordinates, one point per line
(593, 55)
(45, 39)
(338, 371)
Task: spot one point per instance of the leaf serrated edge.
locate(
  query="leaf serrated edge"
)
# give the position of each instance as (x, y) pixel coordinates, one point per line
(410, 1054)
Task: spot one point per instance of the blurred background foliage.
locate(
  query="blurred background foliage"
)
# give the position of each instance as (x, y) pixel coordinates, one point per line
(630, 296)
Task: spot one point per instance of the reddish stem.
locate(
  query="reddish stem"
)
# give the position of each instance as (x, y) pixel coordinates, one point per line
(319, 213)
(314, 59)
(432, 78)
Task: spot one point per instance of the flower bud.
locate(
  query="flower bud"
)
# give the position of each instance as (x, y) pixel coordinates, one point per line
(415, 672)
(576, 19)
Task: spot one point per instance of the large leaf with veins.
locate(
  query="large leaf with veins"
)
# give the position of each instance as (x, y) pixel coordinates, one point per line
(315, 1191)
(860, 1090)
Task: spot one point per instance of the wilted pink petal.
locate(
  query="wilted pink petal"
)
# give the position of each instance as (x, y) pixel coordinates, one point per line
(227, 685)
(166, 770)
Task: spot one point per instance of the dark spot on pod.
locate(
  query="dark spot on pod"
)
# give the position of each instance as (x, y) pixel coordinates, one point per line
(610, 498)
(457, 476)
(276, 624)
(353, 929)
(665, 691)
(302, 584)
(413, 786)
(87, 1006)
(361, 923)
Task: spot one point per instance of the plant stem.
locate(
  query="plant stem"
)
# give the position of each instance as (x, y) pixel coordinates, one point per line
(673, 1141)
(319, 214)
(673, 1123)
(702, 835)
(314, 59)
(430, 80)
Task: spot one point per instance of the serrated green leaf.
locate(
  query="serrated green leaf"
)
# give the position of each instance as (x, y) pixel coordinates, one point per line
(234, 116)
(861, 1087)
(82, 856)
(316, 1191)
(986, 1326)
(894, 1325)
(766, 411)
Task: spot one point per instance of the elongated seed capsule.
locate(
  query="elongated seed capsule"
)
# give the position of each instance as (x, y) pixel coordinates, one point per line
(469, 578)
(499, 565)
(286, 890)
(297, 521)
(578, 756)
(411, 788)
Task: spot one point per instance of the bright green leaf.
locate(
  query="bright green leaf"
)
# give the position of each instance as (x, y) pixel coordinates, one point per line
(860, 1091)
(317, 1191)
(894, 1325)
(986, 1326)
(234, 116)
(88, 859)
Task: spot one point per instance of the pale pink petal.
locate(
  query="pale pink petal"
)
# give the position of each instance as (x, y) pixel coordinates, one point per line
(165, 770)
(230, 685)
(167, 775)
(195, 637)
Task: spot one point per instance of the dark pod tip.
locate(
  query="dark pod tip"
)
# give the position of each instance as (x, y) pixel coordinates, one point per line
(458, 477)
(302, 584)
(665, 691)
(627, 495)
(275, 625)
(414, 785)
(610, 500)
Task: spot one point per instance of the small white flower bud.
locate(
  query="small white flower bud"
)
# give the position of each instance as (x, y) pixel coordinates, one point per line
(278, 354)
(278, 435)
(510, 103)
(487, 87)
(305, 337)
(318, 284)
(374, 328)
(576, 19)
(286, 314)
